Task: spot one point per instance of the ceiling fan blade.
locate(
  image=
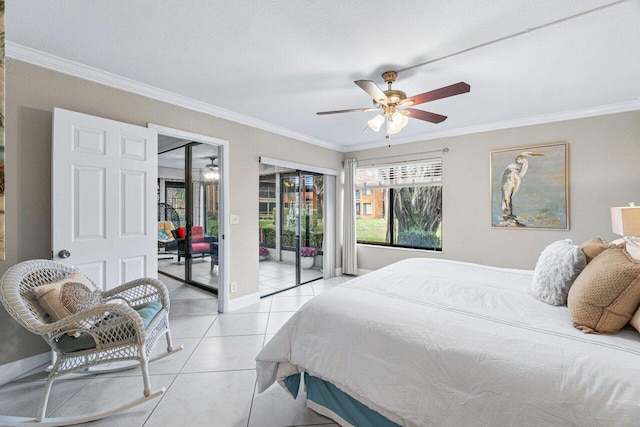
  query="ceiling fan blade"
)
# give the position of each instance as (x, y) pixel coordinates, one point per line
(424, 115)
(322, 113)
(443, 92)
(372, 89)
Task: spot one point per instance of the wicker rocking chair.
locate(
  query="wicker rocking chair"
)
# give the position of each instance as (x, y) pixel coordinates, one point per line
(115, 331)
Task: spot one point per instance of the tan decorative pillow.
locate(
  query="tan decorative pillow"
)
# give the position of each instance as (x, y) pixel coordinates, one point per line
(594, 247)
(68, 296)
(606, 294)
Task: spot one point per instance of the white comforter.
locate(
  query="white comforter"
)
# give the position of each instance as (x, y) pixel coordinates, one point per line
(441, 343)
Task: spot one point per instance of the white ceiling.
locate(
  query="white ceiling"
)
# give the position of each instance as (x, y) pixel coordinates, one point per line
(274, 64)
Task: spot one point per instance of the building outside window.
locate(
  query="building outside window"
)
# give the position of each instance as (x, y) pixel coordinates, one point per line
(402, 204)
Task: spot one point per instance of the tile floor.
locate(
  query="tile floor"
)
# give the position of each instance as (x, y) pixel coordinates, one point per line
(274, 275)
(200, 269)
(212, 382)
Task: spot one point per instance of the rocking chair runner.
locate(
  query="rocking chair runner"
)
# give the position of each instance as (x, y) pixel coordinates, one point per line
(110, 332)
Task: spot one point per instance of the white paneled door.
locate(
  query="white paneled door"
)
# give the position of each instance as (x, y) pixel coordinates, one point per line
(104, 202)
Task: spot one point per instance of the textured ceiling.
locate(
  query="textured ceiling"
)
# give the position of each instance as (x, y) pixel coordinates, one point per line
(282, 61)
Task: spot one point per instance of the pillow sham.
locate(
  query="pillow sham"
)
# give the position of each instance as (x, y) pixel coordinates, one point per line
(594, 247)
(606, 294)
(558, 266)
(68, 296)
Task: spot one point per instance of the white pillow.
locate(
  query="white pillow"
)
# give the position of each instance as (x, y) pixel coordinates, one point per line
(558, 266)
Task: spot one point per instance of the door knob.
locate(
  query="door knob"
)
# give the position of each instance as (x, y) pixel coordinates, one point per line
(64, 254)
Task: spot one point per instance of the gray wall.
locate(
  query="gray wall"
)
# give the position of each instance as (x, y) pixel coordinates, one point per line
(604, 153)
(31, 94)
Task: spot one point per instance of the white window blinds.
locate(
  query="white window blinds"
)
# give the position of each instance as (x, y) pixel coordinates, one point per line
(420, 173)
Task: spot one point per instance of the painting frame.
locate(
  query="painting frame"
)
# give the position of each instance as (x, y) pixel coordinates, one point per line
(541, 197)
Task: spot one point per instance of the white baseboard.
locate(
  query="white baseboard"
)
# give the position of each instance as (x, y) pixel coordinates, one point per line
(14, 370)
(236, 303)
(362, 271)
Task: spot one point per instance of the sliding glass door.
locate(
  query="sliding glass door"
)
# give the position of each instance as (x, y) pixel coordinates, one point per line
(311, 226)
(291, 228)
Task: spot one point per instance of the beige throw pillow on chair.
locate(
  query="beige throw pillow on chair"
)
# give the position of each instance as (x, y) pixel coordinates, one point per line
(68, 296)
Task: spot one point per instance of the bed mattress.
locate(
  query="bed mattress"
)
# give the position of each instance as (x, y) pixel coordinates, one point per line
(434, 342)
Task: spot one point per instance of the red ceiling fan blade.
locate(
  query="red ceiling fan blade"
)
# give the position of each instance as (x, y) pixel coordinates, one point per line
(443, 92)
(372, 89)
(424, 115)
(322, 113)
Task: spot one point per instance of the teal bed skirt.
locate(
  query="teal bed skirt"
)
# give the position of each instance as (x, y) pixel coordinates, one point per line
(327, 396)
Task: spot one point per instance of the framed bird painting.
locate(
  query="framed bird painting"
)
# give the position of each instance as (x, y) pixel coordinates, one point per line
(530, 187)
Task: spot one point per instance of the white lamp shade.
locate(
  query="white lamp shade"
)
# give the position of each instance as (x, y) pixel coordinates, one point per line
(397, 122)
(625, 221)
(376, 123)
(400, 119)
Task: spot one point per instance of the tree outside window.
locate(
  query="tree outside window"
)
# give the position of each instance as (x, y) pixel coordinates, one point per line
(403, 205)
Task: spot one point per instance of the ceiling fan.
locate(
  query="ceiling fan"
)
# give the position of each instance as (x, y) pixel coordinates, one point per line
(211, 170)
(394, 105)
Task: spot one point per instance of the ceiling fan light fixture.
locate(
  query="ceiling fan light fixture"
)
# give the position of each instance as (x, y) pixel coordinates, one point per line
(211, 173)
(400, 119)
(396, 122)
(388, 101)
(376, 123)
(392, 128)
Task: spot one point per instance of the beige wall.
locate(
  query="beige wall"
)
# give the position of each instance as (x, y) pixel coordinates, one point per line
(32, 93)
(604, 153)
(603, 157)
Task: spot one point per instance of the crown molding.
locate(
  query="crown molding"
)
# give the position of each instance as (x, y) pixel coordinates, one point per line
(56, 63)
(76, 69)
(619, 107)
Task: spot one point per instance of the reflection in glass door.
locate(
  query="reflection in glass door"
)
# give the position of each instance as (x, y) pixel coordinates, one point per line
(290, 223)
(203, 216)
(293, 215)
(311, 227)
(188, 197)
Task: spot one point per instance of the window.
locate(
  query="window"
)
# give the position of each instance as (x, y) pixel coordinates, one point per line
(266, 209)
(174, 195)
(267, 190)
(357, 209)
(405, 204)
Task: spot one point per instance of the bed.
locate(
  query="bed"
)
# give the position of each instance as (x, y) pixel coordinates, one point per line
(427, 342)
